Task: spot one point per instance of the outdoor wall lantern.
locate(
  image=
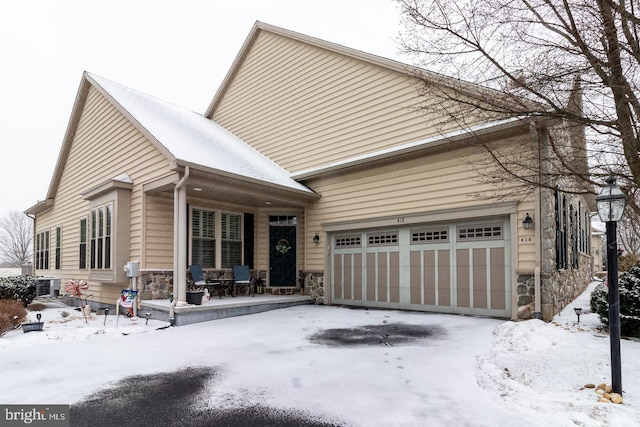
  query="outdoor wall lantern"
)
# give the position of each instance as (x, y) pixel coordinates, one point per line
(610, 203)
(578, 311)
(316, 239)
(527, 223)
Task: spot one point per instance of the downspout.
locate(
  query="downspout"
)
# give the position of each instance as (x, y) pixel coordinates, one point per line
(537, 314)
(33, 247)
(179, 248)
(537, 246)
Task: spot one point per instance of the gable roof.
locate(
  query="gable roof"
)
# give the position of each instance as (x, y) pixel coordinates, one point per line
(408, 70)
(185, 138)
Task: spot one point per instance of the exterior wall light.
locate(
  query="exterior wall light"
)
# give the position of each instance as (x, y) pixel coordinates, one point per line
(527, 223)
(316, 239)
(611, 202)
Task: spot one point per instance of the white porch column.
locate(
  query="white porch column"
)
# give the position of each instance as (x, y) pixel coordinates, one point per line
(180, 240)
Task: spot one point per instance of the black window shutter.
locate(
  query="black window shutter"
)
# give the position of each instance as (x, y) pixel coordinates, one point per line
(248, 239)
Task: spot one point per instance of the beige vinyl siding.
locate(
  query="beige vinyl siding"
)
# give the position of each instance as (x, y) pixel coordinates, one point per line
(159, 232)
(526, 240)
(104, 146)
(303, 106)
(435, 183)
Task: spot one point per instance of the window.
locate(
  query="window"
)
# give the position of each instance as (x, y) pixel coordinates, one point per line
(42, 250)
(216, 238)
(58, 247)
(561, 231)
(104, 235)
(203, 242)
(480, 232)
(231, 236)
(100, 240)
(348, 242)
(573, 227)
(434, 235)
(382, 239)
(82, 264)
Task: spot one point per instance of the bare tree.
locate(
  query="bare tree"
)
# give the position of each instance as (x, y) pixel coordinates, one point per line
(16, 239)
(574, 62)
(629, 232)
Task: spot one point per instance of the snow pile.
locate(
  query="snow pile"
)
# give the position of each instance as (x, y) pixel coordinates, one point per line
(470, 371)
(539, 370)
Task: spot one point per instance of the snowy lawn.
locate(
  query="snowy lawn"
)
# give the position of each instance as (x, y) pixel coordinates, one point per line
(459, 371)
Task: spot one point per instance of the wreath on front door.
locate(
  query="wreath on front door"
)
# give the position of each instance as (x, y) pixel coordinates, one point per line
(283, 246)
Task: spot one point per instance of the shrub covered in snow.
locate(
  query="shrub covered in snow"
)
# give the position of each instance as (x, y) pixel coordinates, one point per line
(629, 288)
(21, 288)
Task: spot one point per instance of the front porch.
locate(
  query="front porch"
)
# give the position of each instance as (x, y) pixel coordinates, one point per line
(217, 308)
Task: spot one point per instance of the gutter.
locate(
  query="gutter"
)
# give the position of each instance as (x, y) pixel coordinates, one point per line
(178, 222)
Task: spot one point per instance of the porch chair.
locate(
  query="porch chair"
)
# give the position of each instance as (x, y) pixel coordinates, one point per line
(199, 281)
(242, 277)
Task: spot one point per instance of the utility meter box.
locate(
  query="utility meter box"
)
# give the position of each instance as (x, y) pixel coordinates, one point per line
(132, 268)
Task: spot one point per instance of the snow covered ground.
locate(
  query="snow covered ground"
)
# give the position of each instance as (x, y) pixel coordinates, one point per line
(468, 372)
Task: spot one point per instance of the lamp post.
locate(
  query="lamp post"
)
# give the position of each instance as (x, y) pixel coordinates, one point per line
(611, 203)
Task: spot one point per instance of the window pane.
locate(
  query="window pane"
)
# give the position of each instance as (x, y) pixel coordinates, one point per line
(107, 252)
(93, 224)
(231, 254)
(100, 222)
(203, 238)
(108, 220)
(231, 226)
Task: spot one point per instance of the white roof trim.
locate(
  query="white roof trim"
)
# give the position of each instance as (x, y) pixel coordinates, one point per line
(408, 148)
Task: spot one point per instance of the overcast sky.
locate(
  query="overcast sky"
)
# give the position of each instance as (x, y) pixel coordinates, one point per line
(176, 50)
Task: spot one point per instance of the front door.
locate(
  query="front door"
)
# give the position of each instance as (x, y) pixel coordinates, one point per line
(282, 252)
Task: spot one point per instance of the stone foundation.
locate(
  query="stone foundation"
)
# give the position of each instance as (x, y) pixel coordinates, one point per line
(556, 290)
(155, 284)
(314, 285)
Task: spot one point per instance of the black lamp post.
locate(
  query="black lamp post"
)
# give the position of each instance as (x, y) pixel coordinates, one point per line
(611, 203)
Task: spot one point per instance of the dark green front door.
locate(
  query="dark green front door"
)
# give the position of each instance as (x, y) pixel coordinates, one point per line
(282, 252)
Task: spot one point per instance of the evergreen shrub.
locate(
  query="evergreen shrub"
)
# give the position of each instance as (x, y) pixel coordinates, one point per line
(629, 289)
(20, 288)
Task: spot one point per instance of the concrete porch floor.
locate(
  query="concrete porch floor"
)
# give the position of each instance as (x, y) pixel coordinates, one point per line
(219, 308)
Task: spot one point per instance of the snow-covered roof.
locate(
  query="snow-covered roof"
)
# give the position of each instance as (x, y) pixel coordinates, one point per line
(194, 139)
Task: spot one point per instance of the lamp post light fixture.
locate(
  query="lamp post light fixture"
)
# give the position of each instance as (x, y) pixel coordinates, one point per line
(527, 223)
(611, 203)
(578, 311)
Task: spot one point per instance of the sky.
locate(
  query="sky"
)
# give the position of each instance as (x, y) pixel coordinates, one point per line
(176, 50)
(470, 372)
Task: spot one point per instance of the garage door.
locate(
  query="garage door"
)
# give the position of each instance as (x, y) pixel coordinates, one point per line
(461, 267)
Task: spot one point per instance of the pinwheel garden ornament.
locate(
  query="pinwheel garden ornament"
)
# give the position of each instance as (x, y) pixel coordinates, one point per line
(75, 288)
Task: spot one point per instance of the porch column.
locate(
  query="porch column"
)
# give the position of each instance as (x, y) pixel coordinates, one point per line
(180, 240)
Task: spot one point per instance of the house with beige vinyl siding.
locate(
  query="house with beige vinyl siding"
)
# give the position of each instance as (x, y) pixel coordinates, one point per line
(312, 166)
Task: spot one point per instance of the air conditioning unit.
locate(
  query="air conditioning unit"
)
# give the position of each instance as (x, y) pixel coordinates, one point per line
(47, 287)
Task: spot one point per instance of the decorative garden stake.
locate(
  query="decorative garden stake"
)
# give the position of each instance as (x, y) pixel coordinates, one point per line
(75, 288)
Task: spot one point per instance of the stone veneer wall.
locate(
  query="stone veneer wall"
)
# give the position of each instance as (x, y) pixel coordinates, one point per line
(314, 285)
(155, 284)
(558, 287)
